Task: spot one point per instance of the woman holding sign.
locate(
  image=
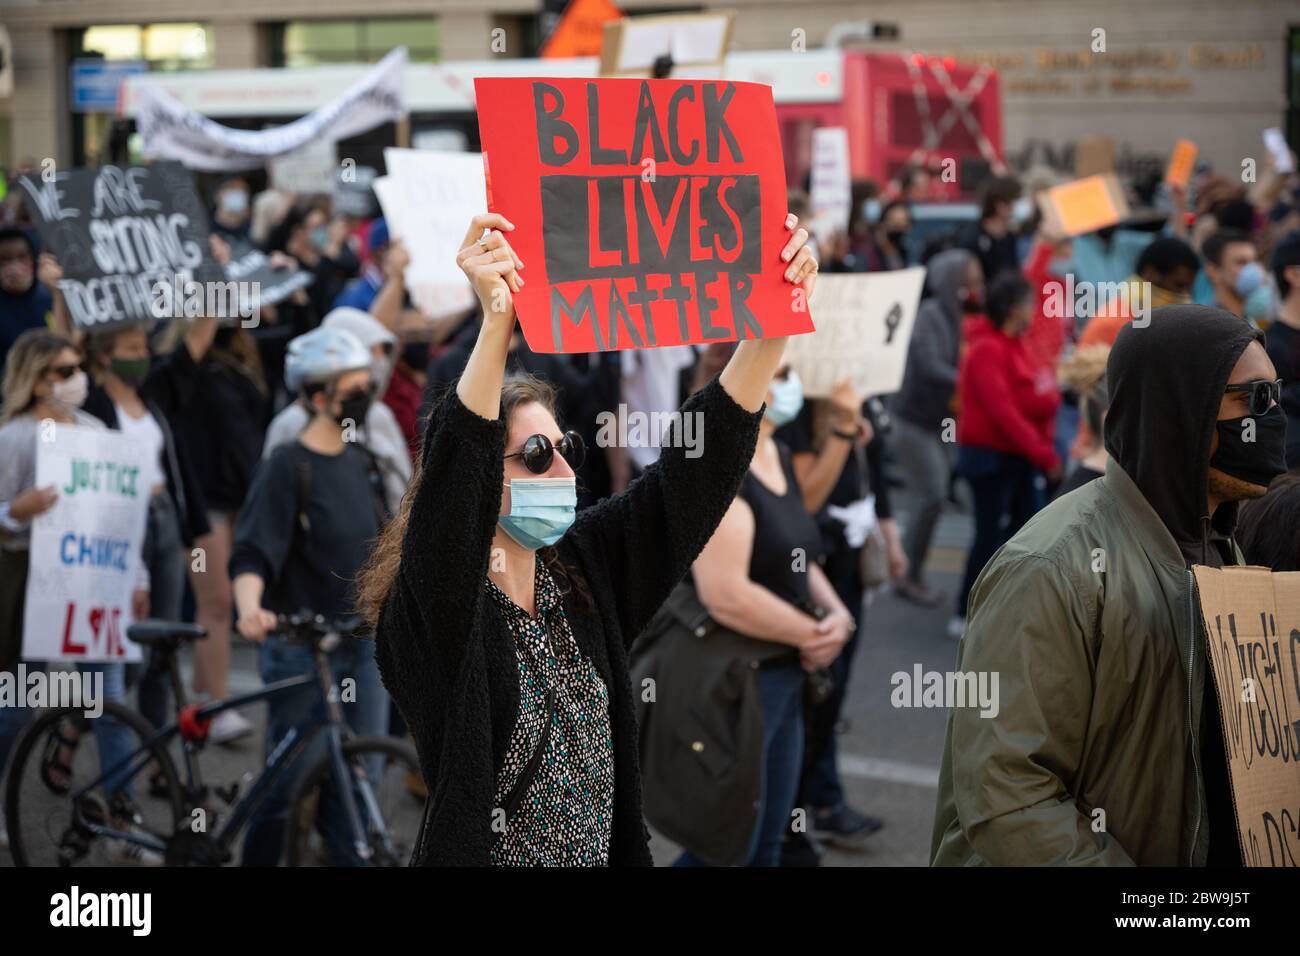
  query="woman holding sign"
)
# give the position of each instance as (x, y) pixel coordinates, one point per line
(503, 620)
(44, 383)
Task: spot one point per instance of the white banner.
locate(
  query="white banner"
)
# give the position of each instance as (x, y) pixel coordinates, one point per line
(86, 550)
(864, 324)
(428, 200)
(172, 131)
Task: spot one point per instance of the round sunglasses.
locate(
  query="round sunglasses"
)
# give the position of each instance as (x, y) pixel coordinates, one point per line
(538, 452)
(1263, 394)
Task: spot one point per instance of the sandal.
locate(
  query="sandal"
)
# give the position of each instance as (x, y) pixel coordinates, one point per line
(56, 744)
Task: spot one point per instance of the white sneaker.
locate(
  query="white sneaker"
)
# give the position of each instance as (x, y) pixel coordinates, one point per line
(956, 627)
(228, 726)
(124, 853)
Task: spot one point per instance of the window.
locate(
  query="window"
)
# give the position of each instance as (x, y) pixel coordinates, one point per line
(165, 46)
(316, 42)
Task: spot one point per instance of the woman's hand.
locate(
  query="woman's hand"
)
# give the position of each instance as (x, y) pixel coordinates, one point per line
(846, 406)
(802, 268)
(49, 272)
(898, 562)
(256, 624)
(33, 502)
(491, 265)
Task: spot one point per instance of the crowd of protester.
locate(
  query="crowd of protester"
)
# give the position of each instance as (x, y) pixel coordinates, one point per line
(1002, 407)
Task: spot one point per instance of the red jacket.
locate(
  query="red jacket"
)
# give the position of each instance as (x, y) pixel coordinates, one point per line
(1006, 405)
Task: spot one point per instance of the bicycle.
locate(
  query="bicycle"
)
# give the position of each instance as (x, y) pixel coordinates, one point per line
(88, 822)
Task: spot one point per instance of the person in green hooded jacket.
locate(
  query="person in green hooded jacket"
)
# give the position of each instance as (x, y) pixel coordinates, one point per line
(1106, 746)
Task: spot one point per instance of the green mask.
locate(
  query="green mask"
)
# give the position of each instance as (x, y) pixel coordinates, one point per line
(130, 371)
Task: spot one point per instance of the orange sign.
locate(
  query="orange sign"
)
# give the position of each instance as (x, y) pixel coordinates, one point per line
(581, 29)
(1084, 205)
(1181, 162)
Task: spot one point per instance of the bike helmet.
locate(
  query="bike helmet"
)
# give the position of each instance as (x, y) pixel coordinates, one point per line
(322, 355)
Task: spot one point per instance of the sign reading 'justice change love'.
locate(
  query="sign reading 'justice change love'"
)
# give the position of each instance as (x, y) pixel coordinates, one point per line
(647, 212)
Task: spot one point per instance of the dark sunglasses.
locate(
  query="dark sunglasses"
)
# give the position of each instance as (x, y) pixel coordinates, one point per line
(1262, 394)
(538, 452)
(64, 372)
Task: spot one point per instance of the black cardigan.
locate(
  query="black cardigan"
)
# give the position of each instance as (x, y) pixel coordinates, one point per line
(446, 654)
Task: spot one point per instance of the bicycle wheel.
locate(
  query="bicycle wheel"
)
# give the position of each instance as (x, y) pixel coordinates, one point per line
(40, 820)
(315, 833)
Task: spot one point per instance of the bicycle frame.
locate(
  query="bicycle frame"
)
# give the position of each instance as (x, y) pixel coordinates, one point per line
(282, 757)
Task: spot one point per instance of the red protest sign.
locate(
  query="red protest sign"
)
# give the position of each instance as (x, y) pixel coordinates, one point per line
(647, 212)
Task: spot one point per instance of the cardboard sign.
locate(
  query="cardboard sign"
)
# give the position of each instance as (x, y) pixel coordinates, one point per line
(86, 550)
(647, 212)
(1084, 205)
(581, 29)
(428, 199)
(1252, 623)
(1094, 155)
(250, 264)
(696, 44)
(1275, 141)
(864, 325)
(1181, 161)
(116, 232)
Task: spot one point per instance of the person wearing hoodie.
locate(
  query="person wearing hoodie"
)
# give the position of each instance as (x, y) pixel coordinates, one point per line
(1005, 433)
(956, 284)
(1104, 744)
(380, 435)
(29, 290)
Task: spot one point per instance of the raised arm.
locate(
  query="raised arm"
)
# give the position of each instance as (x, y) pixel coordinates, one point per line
(433, 603)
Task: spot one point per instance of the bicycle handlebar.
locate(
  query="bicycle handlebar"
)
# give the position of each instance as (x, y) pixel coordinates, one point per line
(310, 627)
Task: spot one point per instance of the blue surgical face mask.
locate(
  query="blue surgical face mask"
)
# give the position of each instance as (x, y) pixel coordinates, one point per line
(871, 211)
(1022, 209)
(319, 236)
(234, 202)
(1249, 279)
(787, 400)
(541, 510)
(1259, 304)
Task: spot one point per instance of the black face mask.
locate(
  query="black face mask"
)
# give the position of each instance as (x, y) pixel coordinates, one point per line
(355, 406)
(1258, 461)
(896, 238)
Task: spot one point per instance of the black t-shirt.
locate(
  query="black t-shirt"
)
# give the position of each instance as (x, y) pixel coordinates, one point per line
(781, 524)
(313, 569)
(1283, 344)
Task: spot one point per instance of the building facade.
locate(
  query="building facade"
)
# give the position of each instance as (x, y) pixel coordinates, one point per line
(1141, 74)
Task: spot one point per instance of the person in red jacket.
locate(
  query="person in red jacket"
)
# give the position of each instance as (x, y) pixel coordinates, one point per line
(1004, 434)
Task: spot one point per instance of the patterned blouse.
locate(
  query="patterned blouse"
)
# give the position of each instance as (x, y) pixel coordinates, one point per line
(556, 785)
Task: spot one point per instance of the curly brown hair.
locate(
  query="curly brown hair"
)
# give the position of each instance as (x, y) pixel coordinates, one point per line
(376, 578)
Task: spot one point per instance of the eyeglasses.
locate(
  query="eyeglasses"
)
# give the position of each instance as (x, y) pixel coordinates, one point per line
(538, 452)
(64, 372)
(1262, 394)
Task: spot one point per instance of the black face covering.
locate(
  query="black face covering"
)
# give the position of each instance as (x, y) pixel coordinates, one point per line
(355, 407)
(896, 238)
(1258, 461)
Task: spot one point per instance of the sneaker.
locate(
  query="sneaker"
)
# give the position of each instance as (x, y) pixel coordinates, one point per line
(125, 853)
(844, 826)
(799, 851)
(918, 592)
(956, 627)
(228, 726)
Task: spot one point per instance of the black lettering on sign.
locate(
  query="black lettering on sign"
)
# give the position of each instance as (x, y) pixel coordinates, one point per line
(634, 227)
(550, 126)
(892, 318)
